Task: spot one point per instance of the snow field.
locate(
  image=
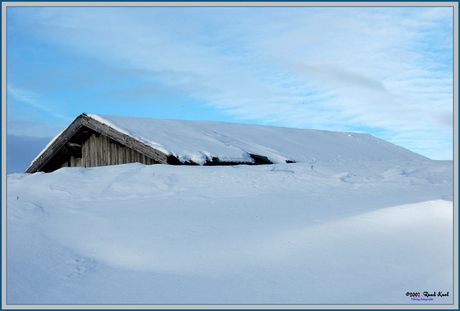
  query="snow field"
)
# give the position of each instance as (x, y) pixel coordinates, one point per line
(324, 232)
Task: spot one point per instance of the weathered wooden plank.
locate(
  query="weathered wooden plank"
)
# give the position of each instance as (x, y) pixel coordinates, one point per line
(127, 155)
(98, 146)
(143, 159)
(113, 153)
(131, 155)
(103, 150)
(134, 156)
(118, 157)
(93, 150)
(97, 153)
(124, 153)
(74, 161)
(108, 151)
(91, 155)
(88, 154)
(121, 155)
(83, 155)
(84, 152)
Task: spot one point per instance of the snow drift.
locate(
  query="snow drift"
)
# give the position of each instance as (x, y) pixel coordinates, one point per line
(322, 233)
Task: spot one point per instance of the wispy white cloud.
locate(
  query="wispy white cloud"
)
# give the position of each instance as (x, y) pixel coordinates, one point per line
(33, 100)
(328, 68)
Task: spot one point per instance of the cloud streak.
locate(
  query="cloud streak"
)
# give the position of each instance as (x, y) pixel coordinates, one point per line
(33, 100)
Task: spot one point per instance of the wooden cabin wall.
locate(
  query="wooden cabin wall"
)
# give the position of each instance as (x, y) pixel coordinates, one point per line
(101, 151)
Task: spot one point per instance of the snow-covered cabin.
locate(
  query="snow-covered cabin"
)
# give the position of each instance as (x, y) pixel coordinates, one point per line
(99, 140)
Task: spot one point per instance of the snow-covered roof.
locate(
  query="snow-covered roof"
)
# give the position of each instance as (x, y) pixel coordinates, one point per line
(200, 141)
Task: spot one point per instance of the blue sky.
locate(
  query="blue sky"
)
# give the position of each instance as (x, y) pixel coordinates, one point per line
(387, 71)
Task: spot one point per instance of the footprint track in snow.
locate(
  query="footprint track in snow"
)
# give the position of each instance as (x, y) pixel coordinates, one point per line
(79, 268)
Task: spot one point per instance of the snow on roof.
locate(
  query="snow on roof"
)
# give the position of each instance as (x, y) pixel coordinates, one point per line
(200, 141)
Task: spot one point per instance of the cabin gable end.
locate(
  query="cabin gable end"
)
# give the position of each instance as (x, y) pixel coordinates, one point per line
(89, 143)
